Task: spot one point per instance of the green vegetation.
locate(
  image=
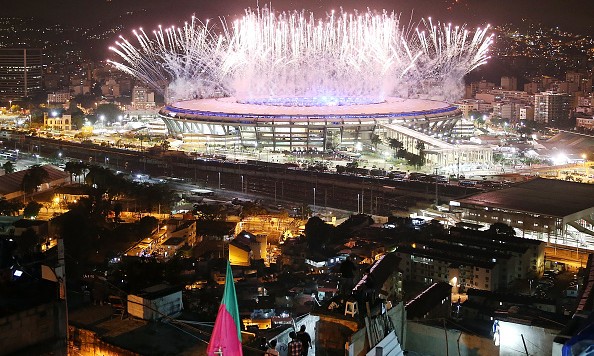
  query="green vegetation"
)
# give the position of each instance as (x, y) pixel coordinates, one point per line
(33, 178)
(32, 209)
(8, 167)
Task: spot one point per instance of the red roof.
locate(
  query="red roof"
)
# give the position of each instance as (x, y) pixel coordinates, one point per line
(10, 183)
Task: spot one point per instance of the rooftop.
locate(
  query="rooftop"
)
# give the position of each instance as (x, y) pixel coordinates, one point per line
(10, 183)
(446, 257)
(428, 299)
(158, 291)
(539, 196)
(229, 107)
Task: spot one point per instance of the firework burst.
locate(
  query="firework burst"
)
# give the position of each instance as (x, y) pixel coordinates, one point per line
(292, 58)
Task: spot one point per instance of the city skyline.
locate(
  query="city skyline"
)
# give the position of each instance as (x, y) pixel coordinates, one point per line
(87, 13)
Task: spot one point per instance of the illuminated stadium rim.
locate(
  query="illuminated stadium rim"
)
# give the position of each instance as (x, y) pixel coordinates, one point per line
(169, 110)
(312, 101)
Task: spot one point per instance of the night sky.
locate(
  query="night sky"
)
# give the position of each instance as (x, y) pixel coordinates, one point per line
(572, 15)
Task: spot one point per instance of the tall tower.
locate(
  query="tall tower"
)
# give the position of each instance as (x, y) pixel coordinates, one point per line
(20, 72)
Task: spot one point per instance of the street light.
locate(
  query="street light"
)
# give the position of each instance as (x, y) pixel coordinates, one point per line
(241, 183)
(314, 199)
(10, 106)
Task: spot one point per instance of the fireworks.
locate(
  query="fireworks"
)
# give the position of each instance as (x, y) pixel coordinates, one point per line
(295, 59)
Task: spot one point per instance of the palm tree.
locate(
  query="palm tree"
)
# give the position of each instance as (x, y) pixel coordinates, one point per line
(33, 178)
(375, 140)
(420, 146)
(8, 167)
(395, 144)
(75, 168)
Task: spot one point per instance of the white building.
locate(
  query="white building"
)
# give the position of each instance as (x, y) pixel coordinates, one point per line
(63, 123)
(143, 99)
(58, 97)
(526, 113)
(551, 107)
(156, 302)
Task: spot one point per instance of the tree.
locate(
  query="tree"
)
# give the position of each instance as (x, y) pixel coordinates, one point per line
(32, 209)
(76, 113)
(502, 229)
(117, 210)
(109, 111)
(28, 242)
(8, 207)
(420, 146)
(375, 140)
(76, 169)
(395, 144)
(147, 225)
(317, 233)
(33, 178)
(8, 167)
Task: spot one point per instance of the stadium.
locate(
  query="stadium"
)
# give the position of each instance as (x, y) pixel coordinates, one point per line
(286, 81)
(225, 121)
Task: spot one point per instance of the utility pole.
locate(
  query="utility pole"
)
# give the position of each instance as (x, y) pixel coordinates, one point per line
(58, 275)
(362, 195)
(436, 185)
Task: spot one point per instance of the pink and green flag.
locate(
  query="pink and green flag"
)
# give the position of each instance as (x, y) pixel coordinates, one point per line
(226, 336)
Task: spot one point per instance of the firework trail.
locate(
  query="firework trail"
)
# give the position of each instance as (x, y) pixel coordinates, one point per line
(290, 58)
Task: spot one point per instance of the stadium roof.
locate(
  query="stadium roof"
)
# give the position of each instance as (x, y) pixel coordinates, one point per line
(539, 196)
(391, 107)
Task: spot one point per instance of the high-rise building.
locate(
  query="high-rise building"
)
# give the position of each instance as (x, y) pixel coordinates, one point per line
(509, 83)
(143, 98)
(551, 107)
(20, 72)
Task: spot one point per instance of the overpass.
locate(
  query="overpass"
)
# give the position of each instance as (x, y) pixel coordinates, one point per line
(438, 153)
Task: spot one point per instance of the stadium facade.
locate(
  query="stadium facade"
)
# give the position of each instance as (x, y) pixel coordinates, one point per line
(225, 121)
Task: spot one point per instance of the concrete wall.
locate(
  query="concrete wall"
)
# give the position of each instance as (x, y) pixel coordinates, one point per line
(539, 341)
(27, 328)
(334, 335)
(89, 343)
(431, 340)
(170, 305)
(359, 345)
